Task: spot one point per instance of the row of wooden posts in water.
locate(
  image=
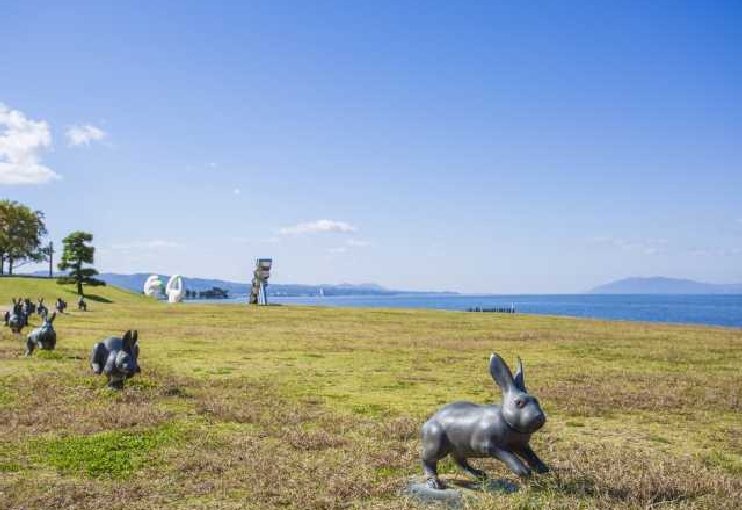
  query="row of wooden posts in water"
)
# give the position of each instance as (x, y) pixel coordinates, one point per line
(497, 309)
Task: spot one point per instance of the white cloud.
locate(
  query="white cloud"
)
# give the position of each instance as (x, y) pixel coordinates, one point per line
(318, 226)
(237, 191)
(339, 250)
(154, 244)
(84, 135)
(22, 141)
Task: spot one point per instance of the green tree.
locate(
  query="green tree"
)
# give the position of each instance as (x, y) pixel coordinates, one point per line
(21, 231)
(76, 253)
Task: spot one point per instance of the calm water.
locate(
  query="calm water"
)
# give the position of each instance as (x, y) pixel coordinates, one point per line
(719, 310)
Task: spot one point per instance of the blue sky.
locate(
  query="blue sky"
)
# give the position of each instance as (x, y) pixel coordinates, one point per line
(478, 147)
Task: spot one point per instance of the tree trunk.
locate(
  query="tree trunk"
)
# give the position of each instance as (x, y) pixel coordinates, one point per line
(79, 278)
(10, 265)
(2, 264)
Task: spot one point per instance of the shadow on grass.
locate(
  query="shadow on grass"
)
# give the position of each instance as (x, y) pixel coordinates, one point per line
(97, 298)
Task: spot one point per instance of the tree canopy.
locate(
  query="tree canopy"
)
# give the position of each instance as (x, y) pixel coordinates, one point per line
(76, 253)
(21, 231)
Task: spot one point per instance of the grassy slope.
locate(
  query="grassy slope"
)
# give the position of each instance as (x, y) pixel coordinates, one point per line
(319, 408)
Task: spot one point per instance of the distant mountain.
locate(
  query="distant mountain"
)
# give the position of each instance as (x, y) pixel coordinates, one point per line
(660, 285)
(135, 282)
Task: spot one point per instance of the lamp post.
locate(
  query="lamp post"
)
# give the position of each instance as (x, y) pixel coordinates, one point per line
(51, 259)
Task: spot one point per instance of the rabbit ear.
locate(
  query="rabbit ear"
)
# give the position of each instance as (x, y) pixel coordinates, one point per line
(134, 337)
(51, 319)
(519, 379)
(500, 372)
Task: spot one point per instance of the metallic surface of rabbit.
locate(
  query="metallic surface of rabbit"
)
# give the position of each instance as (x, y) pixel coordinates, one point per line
(117, 358)
(467, 430)
(43, 337)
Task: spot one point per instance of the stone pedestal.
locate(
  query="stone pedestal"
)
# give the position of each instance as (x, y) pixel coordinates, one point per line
(456, 491)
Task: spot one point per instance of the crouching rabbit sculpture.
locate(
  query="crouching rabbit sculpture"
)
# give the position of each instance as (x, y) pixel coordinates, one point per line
(43, 337)
(16, 319)
(117, 358)
(466, 430)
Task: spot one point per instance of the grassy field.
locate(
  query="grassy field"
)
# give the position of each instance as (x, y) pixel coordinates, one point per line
(314, 408)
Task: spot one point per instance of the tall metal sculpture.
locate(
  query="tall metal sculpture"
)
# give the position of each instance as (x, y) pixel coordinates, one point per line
(260, 277)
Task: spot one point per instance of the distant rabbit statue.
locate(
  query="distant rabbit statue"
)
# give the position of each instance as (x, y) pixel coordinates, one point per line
(60, 305)
(28, 307)
(17, 319)
(466, 430)
(117, 358)
(41, 308)
(43, 337)
(82, 306)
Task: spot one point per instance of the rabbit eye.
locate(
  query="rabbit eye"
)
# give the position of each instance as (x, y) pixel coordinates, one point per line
(520, 404)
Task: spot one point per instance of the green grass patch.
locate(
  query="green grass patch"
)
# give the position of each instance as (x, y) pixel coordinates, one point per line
(107, 454)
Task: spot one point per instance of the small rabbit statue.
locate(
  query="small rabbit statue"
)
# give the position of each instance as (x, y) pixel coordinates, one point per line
(41, 308)
(117, 358)
(43, 337)
(28, 307)
(82, 306)
(17, 319)
(467, 430)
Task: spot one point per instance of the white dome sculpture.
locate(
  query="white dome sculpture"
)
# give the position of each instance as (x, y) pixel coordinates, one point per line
(175, 289)
(153, 286)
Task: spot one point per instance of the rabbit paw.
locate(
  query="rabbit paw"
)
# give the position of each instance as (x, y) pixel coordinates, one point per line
(522, 471)
(541, 468)
(434, 483)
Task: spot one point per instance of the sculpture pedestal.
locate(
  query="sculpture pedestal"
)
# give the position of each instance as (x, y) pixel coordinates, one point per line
(456, 491)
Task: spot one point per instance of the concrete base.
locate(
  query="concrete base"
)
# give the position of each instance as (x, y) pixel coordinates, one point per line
(456, 491)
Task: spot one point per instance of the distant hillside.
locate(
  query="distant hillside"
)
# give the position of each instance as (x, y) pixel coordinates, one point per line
(660, 285)
(135, 282)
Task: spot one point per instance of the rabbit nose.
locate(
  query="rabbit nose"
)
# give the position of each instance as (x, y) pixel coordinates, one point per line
(541, 419)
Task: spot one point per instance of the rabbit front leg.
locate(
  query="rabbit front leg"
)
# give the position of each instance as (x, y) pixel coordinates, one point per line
(532, 459)
(30, 345)
(469, 469)
(430, 468)
(511, 461)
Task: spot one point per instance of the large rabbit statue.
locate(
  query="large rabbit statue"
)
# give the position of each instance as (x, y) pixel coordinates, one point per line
(43, 337)
(466, 430)
(117, 358)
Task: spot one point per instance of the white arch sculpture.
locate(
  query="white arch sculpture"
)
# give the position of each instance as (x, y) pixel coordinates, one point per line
(175, 289)
(153, 286)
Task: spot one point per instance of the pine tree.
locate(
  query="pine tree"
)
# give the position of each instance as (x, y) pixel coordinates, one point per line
(75, 254)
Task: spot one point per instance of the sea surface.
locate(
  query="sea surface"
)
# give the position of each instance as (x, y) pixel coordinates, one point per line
(710, 309)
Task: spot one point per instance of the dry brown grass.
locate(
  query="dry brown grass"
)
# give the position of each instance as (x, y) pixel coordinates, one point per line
(320, 409)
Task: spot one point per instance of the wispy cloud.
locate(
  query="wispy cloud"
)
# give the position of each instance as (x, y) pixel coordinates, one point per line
(84, 135)
(645, 246)
(338, 250)
(154, 244)
(22, 141)
(318, 226)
